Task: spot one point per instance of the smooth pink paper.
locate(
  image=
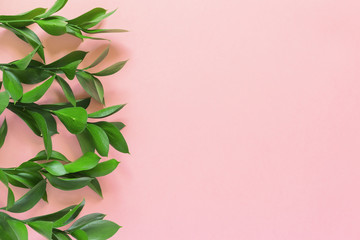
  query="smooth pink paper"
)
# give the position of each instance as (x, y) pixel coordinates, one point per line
(243, 118)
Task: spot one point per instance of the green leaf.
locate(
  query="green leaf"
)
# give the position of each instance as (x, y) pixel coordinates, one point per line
(74, 119)
(12, 85)
(55, 168)
(84, 103)
(91, 85)
(116, 139)
(94, 31)
(102, 169)
(95, 21)
(29, 167)
(36, 93)
(67, 90)
(53, 216)
(10, 199)
(106, 111)
(85, 220)
(4, 101)
(100, 229)
(41, 122)
(3, 178)
(42, 227)
(26, 117)
(88, 161)
(95, 186)
(85, 141)
(99, 138)
(33, 74)
(79, 235)
(54, 27)
(68, 184)
(70, 58)
(54, 156)
(119, 125)
(29, 200)
(19, 229)
(87, 17)
(24, 62)
(100, 58)
(58, 5)
(3, 132)
(70, 216)
(60, 236)
(70, 69)
(23, 179)
(112, 69)
(50, 120)
(23, 16)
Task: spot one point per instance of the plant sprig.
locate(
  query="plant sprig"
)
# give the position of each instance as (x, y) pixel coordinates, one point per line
(50, 167)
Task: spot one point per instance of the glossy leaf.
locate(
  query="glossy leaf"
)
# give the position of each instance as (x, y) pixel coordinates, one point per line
(79, 235)
(100, 139)
(100, 229)
(29, 200)
(68, 184)
(94, 31)
(36, 93)
(85, 220)
(69, 58)
(10, 199)
(57, 235)
(106, 111)
(112, 69)
(33, 74)
(70, 69)
(70, 216)
(116, 139)
(42, 227)
(74, 119)
(84, 103)
(87, 17)
(95, 21)
(85, 141)
(91, 85)
(55, 168)
(50, 120)
(67, 90)
(23, 179)
(12, 85)
(23, 16)
(3, 132)
(54, 27)
(102, 169)
(88, 161)
(119, 125)
(100, 58)
(58, 5)
(19, 229)
(29, 167)
(4, 101)
(54, 156)
(53, 216)
(41, 122)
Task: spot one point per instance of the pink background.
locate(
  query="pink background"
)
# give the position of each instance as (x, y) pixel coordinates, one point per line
(243, 118)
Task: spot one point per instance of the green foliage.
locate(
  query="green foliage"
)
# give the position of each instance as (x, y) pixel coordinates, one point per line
(50, 167)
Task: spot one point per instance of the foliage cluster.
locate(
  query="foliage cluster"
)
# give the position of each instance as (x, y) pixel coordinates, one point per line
(94, 135)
